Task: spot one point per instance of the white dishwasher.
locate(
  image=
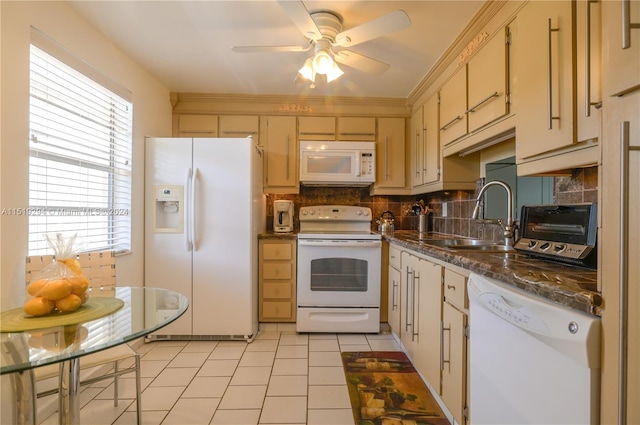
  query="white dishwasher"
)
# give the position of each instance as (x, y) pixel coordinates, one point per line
(531, 361)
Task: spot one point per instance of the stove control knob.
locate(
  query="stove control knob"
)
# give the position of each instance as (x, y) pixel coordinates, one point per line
(559, 247)
(358, 212)
(304, 211)
(366, 212)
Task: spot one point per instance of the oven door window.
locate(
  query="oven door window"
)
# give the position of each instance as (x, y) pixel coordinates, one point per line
(339, 275)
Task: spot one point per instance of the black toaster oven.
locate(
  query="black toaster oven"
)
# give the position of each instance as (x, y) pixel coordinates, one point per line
(566, 233)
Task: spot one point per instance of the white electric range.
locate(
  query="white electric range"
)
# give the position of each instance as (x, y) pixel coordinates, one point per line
(338, 283)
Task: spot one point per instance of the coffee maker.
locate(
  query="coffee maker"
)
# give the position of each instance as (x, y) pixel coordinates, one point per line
(283, 216)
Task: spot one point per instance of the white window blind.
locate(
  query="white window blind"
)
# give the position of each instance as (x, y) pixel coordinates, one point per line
(79, 158)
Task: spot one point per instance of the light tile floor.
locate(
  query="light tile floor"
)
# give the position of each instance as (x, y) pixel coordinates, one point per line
(280, 378)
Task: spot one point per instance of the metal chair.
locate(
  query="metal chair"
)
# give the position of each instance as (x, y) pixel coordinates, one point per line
(100, 269)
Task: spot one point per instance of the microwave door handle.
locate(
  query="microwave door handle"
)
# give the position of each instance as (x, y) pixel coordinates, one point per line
(359, 171)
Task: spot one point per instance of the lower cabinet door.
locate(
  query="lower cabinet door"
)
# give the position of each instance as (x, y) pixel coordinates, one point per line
(454, 361)
(394, 300)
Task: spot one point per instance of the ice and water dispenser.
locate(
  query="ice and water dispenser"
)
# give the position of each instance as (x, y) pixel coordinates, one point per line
(168, 215)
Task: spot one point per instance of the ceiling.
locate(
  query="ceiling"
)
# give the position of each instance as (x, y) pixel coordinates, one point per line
(187, 44)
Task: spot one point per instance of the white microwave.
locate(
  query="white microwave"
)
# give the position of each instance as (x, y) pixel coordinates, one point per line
(336, 163)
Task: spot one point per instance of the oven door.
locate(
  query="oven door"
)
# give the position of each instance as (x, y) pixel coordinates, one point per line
(338, 273)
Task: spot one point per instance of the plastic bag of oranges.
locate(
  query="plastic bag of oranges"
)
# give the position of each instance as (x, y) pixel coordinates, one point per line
(60, 286)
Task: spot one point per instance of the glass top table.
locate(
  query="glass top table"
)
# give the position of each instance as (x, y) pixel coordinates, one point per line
(144, 311)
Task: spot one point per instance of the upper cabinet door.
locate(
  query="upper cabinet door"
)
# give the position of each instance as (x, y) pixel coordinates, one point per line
(431, 142)
(197, 126)
(588, 69)
(239, 126)
(621, 51)
(317, 128)
(281, 154)
(357, 128)
(488, 83)
(390, 152)
(416, 146)
(453, 107)
(544, 67)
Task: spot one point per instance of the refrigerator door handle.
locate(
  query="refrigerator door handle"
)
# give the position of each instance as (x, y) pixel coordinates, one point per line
(187, 233)
(194, 181)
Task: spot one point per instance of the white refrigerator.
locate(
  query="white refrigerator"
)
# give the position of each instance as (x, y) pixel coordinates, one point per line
(204, 209)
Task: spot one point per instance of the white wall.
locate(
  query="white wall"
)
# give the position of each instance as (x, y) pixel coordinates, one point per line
(151, 116)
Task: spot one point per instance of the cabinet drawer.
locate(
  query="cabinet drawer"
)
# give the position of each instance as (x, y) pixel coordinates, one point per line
(455, 288)
(280, 290)
(276, 251)
(276, 310)
(276, 271)
(394, 257)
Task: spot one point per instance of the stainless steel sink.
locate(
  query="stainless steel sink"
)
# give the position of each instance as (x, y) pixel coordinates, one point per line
(468, 245)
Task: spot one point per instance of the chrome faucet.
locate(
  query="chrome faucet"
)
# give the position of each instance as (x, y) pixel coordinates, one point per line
(509, 227)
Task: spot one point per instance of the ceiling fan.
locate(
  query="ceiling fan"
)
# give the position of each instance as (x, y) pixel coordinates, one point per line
(323, 30)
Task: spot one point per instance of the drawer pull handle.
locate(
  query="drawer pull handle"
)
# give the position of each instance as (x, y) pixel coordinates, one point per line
(451, 287)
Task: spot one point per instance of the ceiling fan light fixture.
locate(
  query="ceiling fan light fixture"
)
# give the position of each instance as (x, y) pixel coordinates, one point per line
(334, 73)
(307, 70)
(323, 62)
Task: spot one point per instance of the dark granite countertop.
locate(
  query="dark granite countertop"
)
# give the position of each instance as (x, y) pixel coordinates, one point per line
(571, 286)
(273, 235)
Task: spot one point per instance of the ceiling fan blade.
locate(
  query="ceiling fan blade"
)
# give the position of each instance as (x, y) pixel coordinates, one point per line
(258, 49)
(360, 62)
(301, 18)
(383, 25)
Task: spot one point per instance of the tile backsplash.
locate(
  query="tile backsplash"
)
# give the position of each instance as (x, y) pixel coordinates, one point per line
(450, 211)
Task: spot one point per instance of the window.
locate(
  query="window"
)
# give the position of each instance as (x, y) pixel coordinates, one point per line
(79, 153)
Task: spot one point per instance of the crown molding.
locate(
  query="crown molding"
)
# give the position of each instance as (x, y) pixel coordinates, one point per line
(285, 99)
(452, 55)
(286, 104)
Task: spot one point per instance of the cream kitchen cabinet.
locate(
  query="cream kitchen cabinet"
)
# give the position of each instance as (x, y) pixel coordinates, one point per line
(239, 126)
(278, 138)
(619, 268)
(277, 262)
(478, 93)
(197, 126)
(547, 68)
(434, 325)
(390, 154)
(421, 313)
(589, 69)
(416, 148)
(317, 128)
(425, 149)
(430, 171)
(357, 128)
(453, 107)
(621, 52)
(488, 82)
(455, 319)
(393, 315)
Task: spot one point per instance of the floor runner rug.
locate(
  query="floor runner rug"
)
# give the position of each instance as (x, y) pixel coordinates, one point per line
(385, 389)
